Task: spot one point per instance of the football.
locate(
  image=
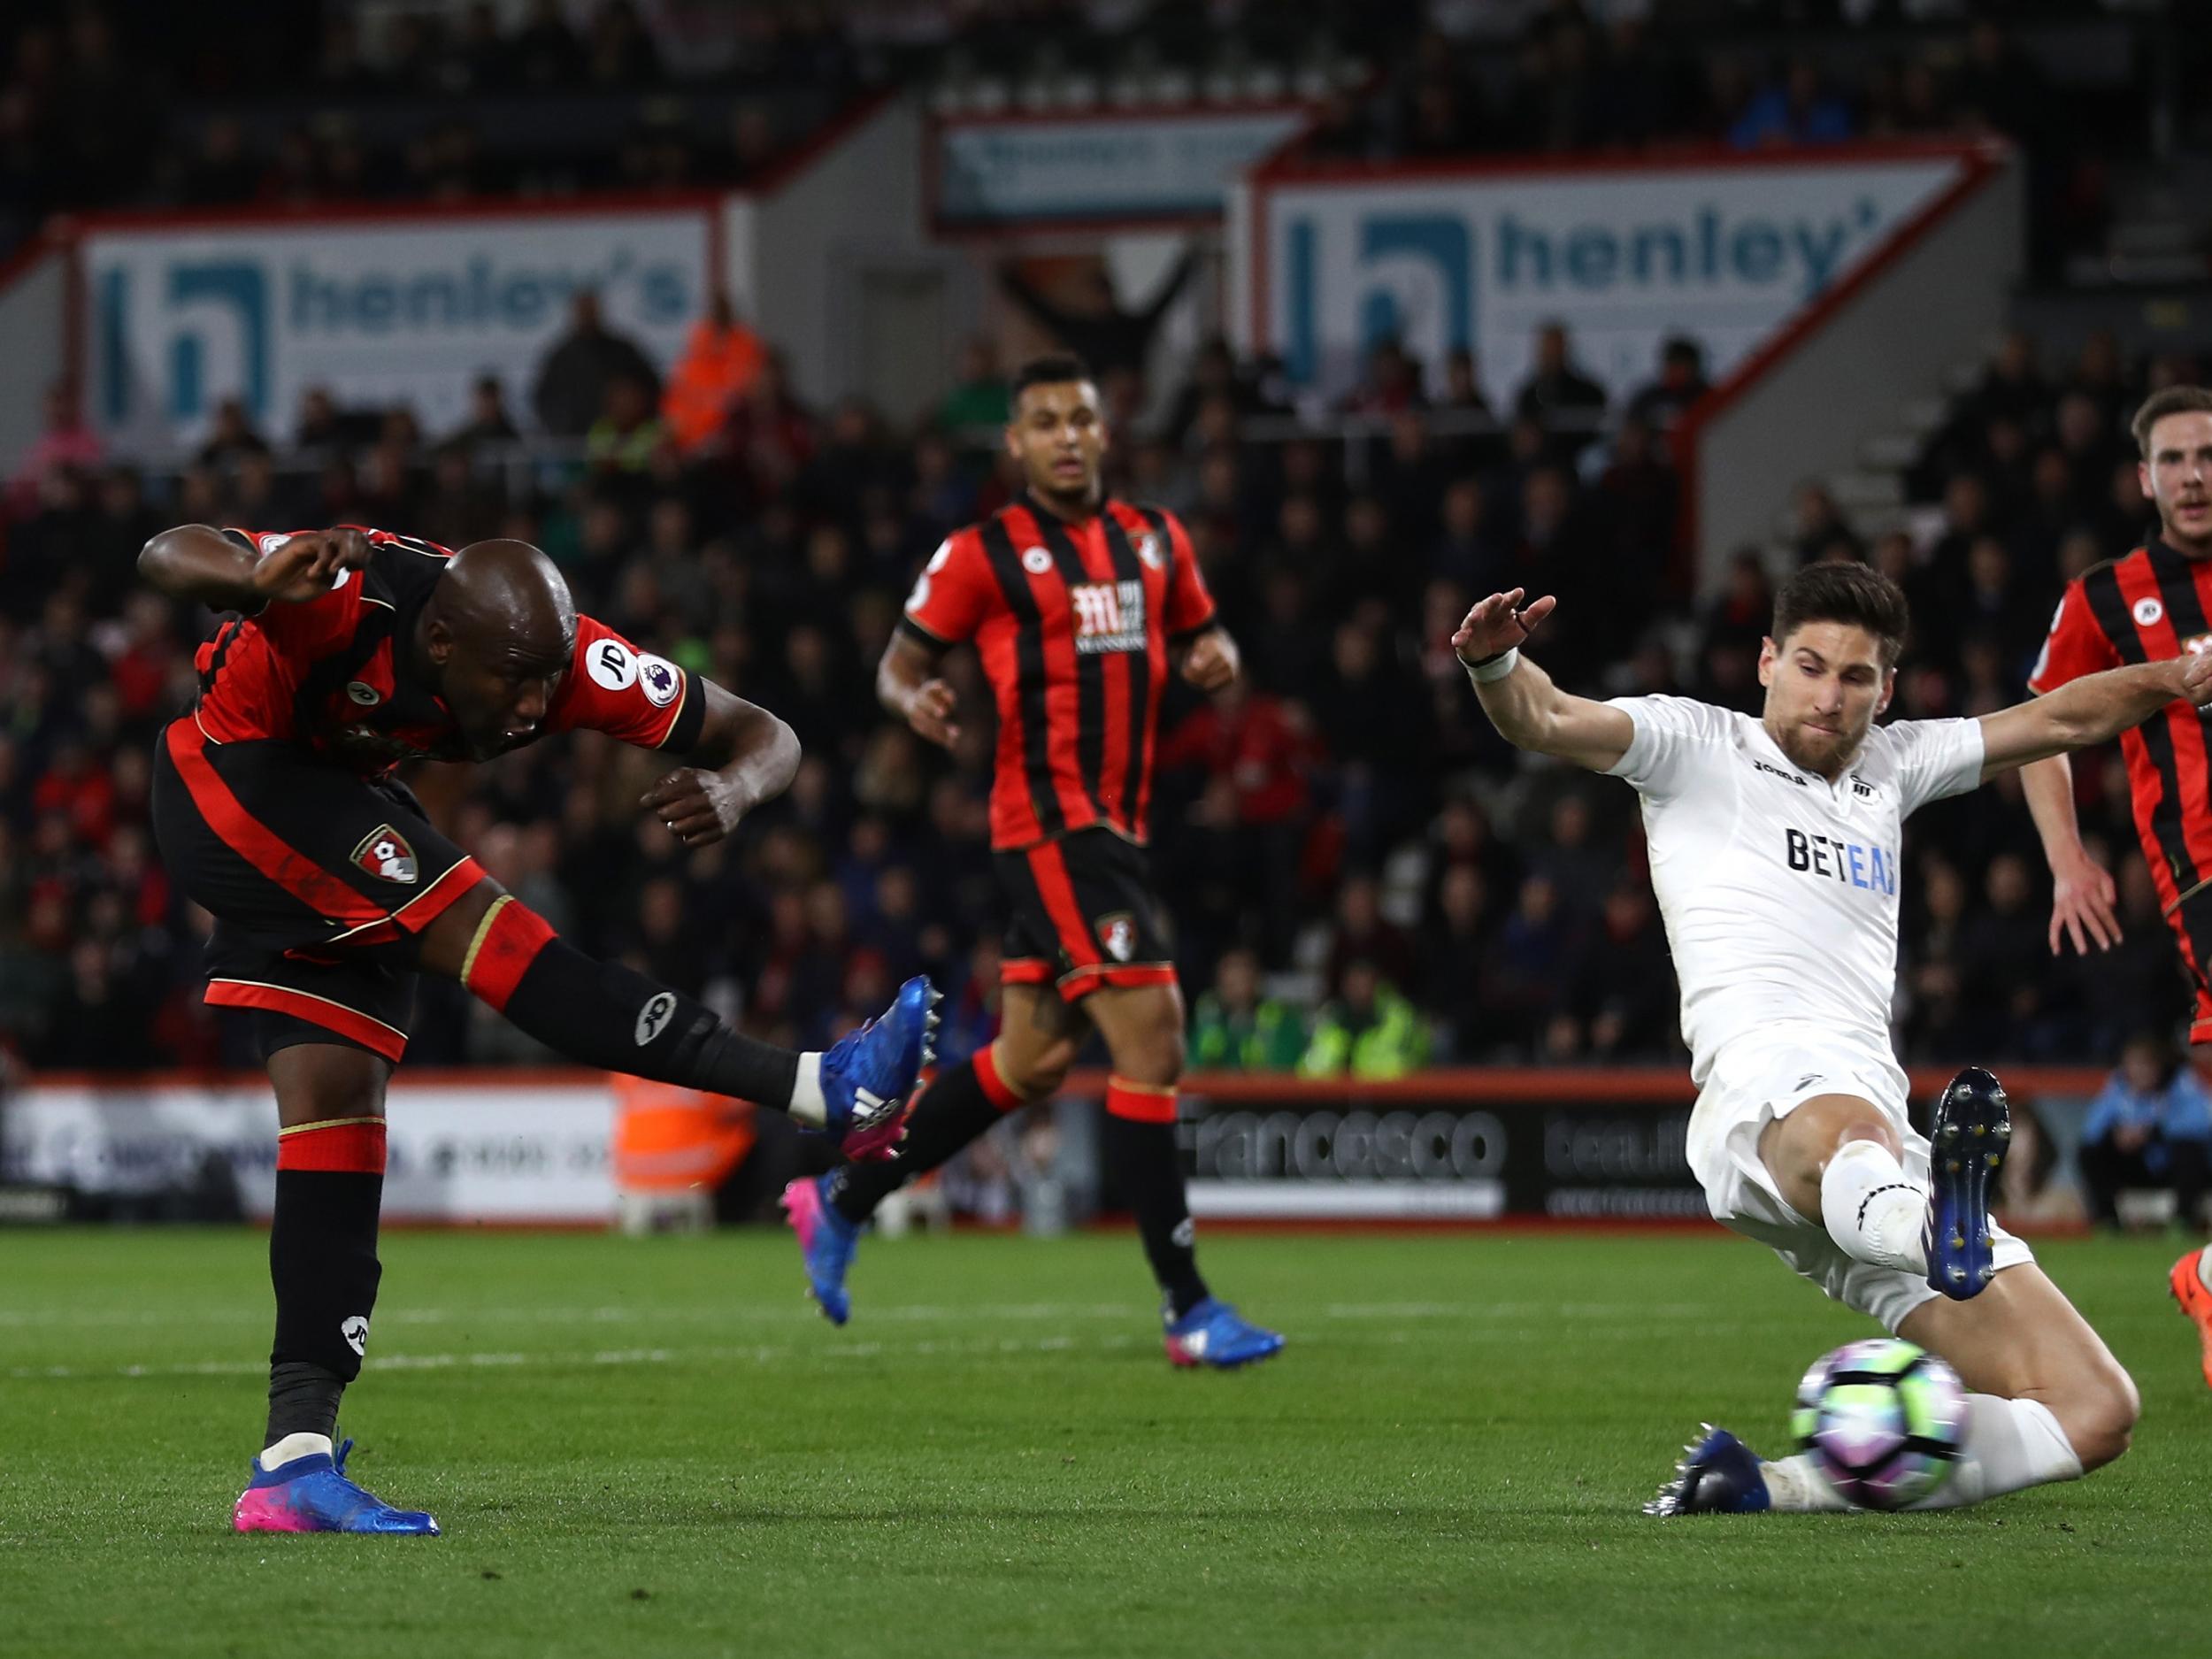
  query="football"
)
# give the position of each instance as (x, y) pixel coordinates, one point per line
(1883, 1420)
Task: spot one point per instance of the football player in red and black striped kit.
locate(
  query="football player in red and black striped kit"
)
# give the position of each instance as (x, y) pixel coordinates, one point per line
(1079, 607)
(2154, 604)
(347, 652)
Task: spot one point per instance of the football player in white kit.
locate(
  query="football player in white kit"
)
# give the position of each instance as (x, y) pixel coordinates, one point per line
(1774, 847)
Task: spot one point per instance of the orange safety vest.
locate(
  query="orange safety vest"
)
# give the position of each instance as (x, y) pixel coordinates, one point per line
(669, 1139)
(717, 366)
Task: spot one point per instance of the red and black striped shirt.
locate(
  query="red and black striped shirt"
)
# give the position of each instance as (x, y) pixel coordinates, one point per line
(2149, 607)
(1073, 622)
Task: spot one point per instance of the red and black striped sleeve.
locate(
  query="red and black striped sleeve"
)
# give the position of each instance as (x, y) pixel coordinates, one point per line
(954, 594)
(1190, 608)
(2077, 644)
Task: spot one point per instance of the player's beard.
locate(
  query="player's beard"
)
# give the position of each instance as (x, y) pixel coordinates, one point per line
(1822, 753)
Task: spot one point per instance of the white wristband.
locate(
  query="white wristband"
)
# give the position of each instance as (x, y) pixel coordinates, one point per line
(1497, 668)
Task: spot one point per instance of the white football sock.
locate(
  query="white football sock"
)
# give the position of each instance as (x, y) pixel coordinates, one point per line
(1871, 1210)
(2010, 1444)
(295, 1446)
(2204, 1268)
(807, 1104)
(1796, 1486)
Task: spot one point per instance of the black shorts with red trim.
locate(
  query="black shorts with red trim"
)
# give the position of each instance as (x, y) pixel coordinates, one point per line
(319, 880)
(1084, 915)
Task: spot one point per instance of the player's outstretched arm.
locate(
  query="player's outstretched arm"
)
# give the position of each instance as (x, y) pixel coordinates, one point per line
(198, 562)
(2090, 710)
(1528, 709)
(744, 755)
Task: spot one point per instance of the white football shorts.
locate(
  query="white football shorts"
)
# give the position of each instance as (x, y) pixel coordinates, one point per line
(1748, 1090)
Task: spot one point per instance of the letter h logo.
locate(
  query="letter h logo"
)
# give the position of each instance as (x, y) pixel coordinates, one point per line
(204, 310)
(1413, 280)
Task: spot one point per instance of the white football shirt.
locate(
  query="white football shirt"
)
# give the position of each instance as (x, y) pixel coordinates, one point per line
(1777, 887)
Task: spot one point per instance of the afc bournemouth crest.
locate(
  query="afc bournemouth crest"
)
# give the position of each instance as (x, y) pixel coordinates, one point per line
(384, 853)
(1119, 933)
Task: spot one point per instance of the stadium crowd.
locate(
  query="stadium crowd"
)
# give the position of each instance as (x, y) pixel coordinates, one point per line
(1363, 876)
(295, 106)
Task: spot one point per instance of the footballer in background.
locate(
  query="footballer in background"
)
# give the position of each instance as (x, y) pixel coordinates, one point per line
(1079, 606)
(2153, 605)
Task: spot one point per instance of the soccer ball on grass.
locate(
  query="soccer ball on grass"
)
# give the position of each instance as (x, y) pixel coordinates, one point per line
(1883, 1421)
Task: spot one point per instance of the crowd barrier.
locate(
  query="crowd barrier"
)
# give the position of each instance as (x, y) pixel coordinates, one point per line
(532, 1147)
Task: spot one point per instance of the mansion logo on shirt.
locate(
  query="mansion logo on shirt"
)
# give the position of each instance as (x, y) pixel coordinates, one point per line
(1109, 616)
(1848, 864)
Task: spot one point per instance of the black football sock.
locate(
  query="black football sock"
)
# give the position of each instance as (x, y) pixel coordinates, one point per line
(322, 1263)
(606, 1016)
(952, 1111)
(1146, 1168)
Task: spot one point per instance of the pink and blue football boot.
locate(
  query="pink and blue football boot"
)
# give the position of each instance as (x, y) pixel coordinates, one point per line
(312, 1494)
(869, 1074)
(1214, 1334)
(827, 1242)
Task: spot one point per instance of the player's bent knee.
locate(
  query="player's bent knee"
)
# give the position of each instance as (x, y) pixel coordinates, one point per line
(2100, 1419)
(1040, 1072)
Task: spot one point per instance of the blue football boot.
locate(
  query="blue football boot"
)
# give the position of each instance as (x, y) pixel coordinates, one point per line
(1718, 1475)
(827, 1242)
(1967, 1145)
(1214, 1334)
(312, 1494)
(868, 1075)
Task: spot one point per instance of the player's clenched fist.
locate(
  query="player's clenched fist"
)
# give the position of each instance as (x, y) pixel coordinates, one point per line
(2196, 678)
(1499, 624)
(1211, 662)
(302, 568)
(701, 807)
(929, 713)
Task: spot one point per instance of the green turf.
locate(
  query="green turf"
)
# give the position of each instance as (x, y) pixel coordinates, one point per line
(657, 1447)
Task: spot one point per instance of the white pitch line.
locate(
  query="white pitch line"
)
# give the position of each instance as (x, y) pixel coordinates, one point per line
(609, 1358)
(800, 1312)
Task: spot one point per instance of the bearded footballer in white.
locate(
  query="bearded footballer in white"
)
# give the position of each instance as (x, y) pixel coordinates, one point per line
(1775, 853)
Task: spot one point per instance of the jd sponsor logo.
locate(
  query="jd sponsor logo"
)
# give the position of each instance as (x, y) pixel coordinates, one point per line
(356, 1332)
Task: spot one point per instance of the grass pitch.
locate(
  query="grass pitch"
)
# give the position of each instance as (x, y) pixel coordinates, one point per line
(658, 1447)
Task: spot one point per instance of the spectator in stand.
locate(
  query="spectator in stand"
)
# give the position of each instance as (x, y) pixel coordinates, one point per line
(573, 381)
(1367, 1031)
(978, 398)
(1621, 1002)
(1093, 323)
(63, 442)
(232, 436)
(1562, 396)
(2150, 1127)
(721, 359)
(629, 433)
(1392, 383)
(488, 421)
(1794, 108)
(1681, 382)
(1456, 935)
(769, 435)
(1364, 934)
(546, 54)
(1237, 1027)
